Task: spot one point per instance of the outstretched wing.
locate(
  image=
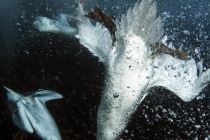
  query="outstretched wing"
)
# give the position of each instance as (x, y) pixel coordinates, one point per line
(46, 95)
(94, 37)
(172, 70)
(179, 76)
(105, 20)
(31, 115)
(18, 111)
(60, 26)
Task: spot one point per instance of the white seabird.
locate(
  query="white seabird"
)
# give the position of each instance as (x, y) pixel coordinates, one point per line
(132, 68)
(30, 114)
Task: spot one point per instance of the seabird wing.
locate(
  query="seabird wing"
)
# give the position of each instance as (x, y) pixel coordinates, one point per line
(46, 95)
(30, 114)
(21, 120)
(179, 76)
(17, 109)
(96, 38)
(60, 26)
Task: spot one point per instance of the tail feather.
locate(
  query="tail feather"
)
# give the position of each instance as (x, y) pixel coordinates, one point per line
(142, 20)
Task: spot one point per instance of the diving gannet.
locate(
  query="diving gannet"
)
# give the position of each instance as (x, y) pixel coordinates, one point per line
(132, 67)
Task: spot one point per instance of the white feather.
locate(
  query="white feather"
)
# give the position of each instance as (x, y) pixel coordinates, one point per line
(95, 38)
(60, 26)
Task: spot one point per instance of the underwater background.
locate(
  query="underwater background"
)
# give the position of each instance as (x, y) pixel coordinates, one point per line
(31, 60)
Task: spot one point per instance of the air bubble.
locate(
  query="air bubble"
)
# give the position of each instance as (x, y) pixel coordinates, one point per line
(197, 50)
(156, 67)
(116, 95)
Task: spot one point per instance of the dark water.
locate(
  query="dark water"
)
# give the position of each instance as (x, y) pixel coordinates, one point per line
(30, 60)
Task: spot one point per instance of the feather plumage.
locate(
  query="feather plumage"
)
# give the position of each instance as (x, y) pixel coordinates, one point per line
(132, 67)
(30, 114)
